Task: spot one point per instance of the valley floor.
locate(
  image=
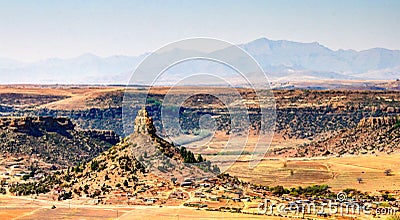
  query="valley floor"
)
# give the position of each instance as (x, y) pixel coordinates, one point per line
(338, 173)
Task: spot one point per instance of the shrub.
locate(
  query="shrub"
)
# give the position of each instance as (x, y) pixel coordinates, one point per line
(94, 165)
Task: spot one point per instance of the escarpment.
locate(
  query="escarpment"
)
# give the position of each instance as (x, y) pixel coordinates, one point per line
(55, 140)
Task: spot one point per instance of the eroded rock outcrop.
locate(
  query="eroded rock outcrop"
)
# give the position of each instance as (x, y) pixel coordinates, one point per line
(375, 122)
(54, 139)
(373, 135)
(143, 123)
(104, 135)
(27, 124)
(140, 157)
(160, 156)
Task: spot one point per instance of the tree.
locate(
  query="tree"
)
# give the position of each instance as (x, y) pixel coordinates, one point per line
(359, 179)
(86, 188)
(200, 158)
(388, 172)
(191, 158)
(173, 179)
(33, 170)
(183, 152)
(25, 177)
(279, 191)
(216, 169)
(94, 165)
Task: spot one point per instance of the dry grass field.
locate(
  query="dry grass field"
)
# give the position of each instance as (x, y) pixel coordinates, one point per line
(65, 97)
(25, 208)
(180, 213)
(11, 207)
(339, 173)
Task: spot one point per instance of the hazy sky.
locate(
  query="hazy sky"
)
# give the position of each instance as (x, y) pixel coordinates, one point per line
(33, 30)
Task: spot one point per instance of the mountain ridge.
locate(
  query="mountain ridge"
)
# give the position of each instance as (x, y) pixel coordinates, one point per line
(282, 60)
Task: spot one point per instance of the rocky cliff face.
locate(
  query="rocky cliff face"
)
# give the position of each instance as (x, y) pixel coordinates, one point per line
(145, 130)
(28, 124)
(104, 135)
(373, 135)
(54, 139)
(376, 122)
(143, 123)
(38, 125)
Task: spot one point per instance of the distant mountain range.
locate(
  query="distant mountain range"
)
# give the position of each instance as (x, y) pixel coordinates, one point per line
(282, 60)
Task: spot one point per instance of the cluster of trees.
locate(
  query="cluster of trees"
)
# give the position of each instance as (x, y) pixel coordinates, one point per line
(130, 164)
(315, 190)
(32, 171)
(387, 197)
(65, 196)
(42, 186)
(353, 193)
(188, 156)
(278, 190)
(322, 191)
(29, 188)
(207, 167)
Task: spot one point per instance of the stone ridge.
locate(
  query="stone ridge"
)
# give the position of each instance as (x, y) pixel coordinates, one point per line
(27, 124)
(103, 135)
(378, 121)
(373, 135)
(55, 140)
(36, 125)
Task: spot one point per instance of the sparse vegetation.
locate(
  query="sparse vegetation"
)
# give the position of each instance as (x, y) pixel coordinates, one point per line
(397, 125)
(65, 196)
(43, 186)
(387, 197)
(94, 166)
(345, 123)
(54, 139)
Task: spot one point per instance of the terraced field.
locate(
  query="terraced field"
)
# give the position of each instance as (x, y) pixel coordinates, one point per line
(338, 173)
